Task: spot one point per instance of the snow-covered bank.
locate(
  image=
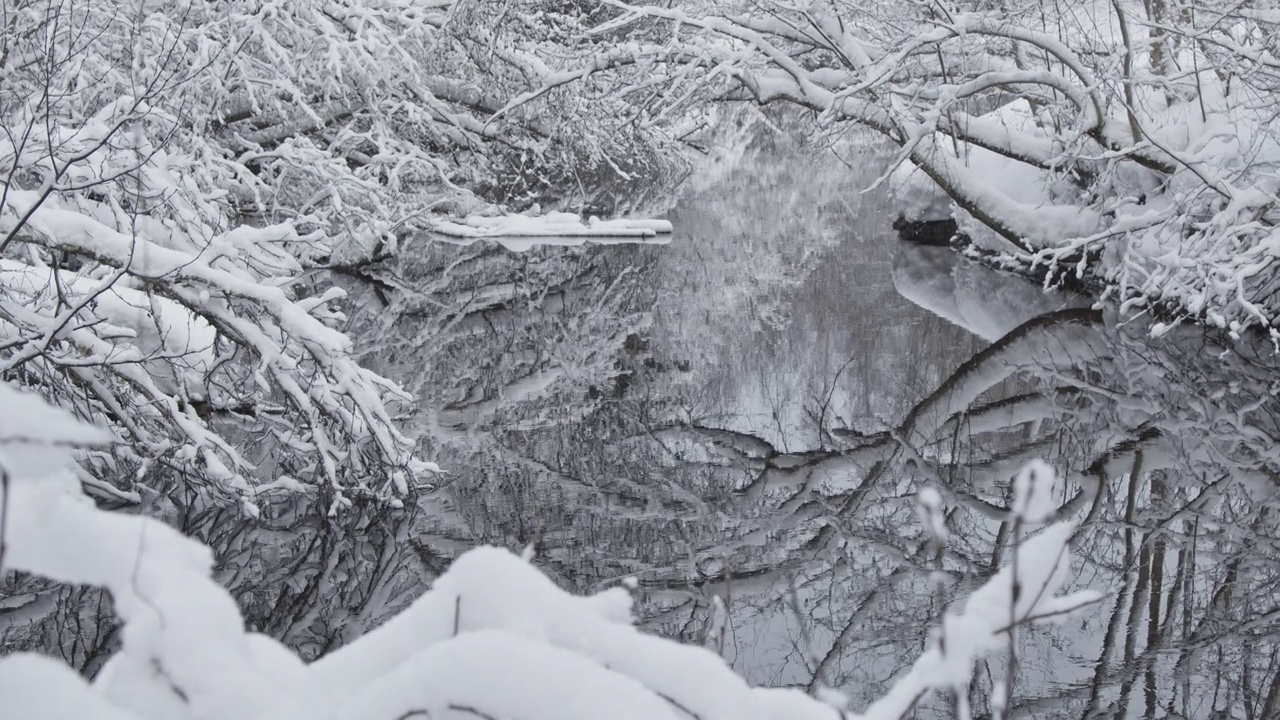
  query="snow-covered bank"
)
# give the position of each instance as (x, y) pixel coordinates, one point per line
(553, 224)
(519, 233)
(525, 243)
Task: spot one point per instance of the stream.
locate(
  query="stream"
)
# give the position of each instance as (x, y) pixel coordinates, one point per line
(742, 420)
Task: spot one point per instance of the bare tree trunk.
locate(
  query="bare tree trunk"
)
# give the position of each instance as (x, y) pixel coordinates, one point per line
(1272, 707)
(1103, 667)
(1130, 99)
(1153, 606)
(1157, 13)
(1140, 594)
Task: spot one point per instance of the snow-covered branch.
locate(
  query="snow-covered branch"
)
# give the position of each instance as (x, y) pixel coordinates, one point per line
(1153, 175)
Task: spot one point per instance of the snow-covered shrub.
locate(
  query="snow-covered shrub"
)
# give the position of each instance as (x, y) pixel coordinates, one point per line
(492, 638)
(178, 177)
(143, 307)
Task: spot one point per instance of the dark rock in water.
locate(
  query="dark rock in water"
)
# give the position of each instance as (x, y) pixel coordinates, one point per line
(926, 232)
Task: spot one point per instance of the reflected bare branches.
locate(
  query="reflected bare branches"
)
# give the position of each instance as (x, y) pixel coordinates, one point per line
(762, 484)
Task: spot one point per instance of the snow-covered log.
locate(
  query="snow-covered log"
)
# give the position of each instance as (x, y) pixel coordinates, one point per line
(567, 225)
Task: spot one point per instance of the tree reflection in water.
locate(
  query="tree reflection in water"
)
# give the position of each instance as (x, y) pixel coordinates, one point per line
(775, 463)
(747, 434)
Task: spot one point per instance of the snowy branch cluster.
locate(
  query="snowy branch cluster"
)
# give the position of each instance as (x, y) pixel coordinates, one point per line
(177, 179)
(1129, 142)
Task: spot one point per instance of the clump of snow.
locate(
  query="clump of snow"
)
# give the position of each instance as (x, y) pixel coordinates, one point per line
(34, 686)
(1033, 492)
(931, 514)
(916, 197)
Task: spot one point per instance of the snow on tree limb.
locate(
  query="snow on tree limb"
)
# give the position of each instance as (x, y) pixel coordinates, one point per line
(1155, 182)
(209, 162)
